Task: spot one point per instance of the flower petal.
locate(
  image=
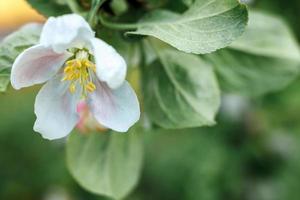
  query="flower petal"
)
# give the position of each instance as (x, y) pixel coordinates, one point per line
(116, 109)
(36, 65)
(55, 109)
(111, 67)
(66, 31)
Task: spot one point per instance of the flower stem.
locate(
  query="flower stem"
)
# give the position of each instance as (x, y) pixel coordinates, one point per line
(96, 4)
(73, 6)
(117, 26)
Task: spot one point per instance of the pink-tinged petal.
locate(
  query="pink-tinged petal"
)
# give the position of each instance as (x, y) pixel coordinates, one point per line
(55, 109)
(65, 32)
(110, 65)
(87, 122)
(81, 110)
(81, 107)
(36, 65)
(116, 109)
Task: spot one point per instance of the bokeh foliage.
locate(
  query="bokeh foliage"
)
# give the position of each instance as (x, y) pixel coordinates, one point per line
(254, 156)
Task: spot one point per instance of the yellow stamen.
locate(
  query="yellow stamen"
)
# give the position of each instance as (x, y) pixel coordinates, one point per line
(68, 69)
(78, 64)
(90, 65)
(79, 70)
(90, 87)
(72, 88)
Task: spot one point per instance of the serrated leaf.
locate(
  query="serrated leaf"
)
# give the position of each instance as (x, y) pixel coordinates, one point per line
(106, 163)
(266, 58)
(180, 91)
(12, 46)
(207, 26)
(50, 8)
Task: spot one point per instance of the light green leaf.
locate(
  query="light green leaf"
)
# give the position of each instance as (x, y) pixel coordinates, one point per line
(12, 46)
(268, 35)
(207, 26)
(266, 58)
(180, 91)
(106, 163)
(50, 7)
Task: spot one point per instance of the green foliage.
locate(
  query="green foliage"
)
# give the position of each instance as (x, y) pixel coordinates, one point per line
(107, 164)
(51, 8)
(197, 164)
(4, 81)
(290, 11)
(200, 29)
(181, 90)
(31, 168)
(12, 46)
(268, 35)
(266, 58)
(188, 2)
(225, 160)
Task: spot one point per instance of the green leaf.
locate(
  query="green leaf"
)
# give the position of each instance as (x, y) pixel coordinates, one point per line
(268, 35)
(180, 91)
(50, 8)
(266, 58)
(106, 163)
(207, 26)
(12, 46)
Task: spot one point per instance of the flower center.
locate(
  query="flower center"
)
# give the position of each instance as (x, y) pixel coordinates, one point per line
(78, 72)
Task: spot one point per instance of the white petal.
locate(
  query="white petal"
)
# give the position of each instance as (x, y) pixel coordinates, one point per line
(111, 67)
(116, 109)
(55, 109)
(36, 65)
(66, 31)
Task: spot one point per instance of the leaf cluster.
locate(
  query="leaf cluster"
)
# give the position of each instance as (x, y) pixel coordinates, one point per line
(182, 56)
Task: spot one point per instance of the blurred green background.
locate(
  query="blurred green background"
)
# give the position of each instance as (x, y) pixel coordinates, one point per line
(252, 154)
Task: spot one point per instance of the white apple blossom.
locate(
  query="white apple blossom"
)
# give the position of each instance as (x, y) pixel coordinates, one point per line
(76, 66)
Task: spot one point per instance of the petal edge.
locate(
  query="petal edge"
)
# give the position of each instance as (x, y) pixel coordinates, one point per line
(66, 31)
(116, 109)
(36, 65)
(55, 109)
(110, 65)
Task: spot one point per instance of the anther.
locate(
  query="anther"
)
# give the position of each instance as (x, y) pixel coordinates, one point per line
(72, 88)
(90, 87)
